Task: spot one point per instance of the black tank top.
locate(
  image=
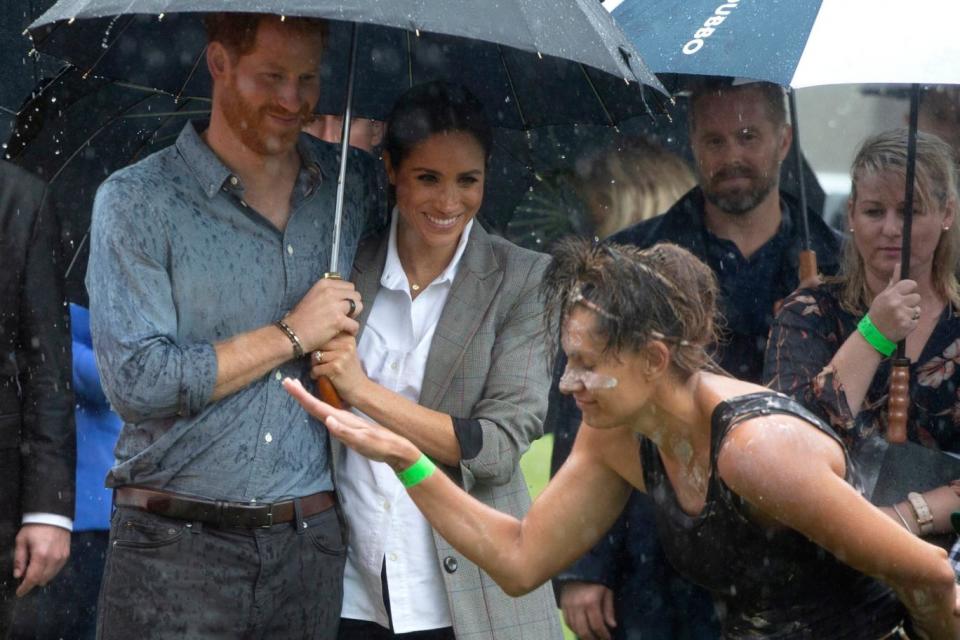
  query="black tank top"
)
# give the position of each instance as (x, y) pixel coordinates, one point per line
(768, 582)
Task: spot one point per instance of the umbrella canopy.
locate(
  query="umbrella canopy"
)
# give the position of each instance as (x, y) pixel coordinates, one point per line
(19, 71)
(74, 132)
(798, 44)
(531, 62)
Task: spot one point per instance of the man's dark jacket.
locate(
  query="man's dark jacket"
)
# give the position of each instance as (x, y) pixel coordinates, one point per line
(37, 433)
(632, 536)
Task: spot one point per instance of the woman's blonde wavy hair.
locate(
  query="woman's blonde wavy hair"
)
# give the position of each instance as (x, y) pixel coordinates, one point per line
(935, 186)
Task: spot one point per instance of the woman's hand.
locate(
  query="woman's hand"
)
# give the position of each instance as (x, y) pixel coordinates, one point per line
(366, 438)
(338, 361)
(896, 310)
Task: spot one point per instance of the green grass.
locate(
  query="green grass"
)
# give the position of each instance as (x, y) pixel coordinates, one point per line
(535, 464)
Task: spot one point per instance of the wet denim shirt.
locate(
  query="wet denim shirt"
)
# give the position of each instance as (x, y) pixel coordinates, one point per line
(178, 262)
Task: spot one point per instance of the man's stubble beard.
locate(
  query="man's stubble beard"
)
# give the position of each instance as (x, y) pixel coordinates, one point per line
(247, 123)
(741, 201)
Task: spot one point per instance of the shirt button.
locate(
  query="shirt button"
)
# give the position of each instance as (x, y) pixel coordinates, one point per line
(234, 180)
(290, 249)
(278, 375)
(393, 557)
(386, 505)
(394, 366)
(268, 438)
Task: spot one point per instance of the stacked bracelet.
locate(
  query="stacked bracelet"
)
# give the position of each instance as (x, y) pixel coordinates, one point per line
(297, 345)
(877, 340)
(416, 473)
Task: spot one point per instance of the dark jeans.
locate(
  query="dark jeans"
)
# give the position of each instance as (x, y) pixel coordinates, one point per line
(168, 578)
(67, 607)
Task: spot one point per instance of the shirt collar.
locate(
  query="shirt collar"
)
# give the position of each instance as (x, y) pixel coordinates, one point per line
(395, 278)
(213, 174)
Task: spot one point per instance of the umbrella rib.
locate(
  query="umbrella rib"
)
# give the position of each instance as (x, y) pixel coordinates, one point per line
(193, 70)
(513, 90)
(93, 135)
(409, 61)
(106, 47)
(596, 94)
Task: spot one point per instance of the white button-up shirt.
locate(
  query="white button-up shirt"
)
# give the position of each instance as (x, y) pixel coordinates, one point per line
(385, 524)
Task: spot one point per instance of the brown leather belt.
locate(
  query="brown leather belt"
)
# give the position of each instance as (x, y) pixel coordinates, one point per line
(240, 515)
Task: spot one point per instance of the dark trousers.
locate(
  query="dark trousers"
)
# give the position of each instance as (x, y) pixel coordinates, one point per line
(67, 607)
(167, 578)
(8, 586)
(366, 630)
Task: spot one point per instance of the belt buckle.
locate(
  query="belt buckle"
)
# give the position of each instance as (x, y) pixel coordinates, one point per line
(269, 517)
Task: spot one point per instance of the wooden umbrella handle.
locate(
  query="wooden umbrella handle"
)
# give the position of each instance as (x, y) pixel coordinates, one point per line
(899, 400)
(328, 393)
(808, 269)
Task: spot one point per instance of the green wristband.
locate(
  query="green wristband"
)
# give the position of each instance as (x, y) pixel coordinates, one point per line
(877, 340)
(416, 473)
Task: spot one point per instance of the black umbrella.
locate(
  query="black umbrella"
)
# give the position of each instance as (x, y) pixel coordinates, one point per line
(20, 70)
(74, 132)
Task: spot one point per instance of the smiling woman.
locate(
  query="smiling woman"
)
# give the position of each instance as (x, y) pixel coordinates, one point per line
(451, 357)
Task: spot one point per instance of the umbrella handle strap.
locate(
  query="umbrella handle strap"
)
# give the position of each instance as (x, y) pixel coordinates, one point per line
(898, 400)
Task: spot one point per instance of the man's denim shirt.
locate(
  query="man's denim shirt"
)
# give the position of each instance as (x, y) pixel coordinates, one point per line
(178, 262)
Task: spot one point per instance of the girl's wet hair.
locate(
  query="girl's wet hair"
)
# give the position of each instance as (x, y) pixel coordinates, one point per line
(637, 295)
(435, 107)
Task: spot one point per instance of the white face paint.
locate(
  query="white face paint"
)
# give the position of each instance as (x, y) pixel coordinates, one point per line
(573, 377)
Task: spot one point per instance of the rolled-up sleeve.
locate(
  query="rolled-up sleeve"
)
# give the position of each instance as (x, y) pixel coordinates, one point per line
(511, 413)
(146, 373)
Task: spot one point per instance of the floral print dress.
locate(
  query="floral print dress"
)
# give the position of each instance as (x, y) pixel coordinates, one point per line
(808, 331)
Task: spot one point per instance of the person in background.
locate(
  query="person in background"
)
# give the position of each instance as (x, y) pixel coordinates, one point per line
(450, 355)
(67, 608)
(830, 345)
(365, 133)
(630, 182)
(625, 588)
(37, 432)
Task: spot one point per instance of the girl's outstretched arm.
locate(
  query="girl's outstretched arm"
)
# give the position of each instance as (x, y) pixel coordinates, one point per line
(578, 506)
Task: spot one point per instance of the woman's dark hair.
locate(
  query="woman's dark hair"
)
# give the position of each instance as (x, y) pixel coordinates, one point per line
(435, 107)
(637, 295)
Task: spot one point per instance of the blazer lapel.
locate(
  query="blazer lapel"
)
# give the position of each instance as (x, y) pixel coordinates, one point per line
(474, 288)
(367, 270)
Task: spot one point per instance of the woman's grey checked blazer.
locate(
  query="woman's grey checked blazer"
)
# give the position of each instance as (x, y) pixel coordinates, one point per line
(487, 361)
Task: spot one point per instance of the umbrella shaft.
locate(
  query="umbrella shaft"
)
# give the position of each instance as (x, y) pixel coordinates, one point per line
(344, 149)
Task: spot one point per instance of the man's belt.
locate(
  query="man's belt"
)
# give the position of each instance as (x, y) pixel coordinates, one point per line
(219, 513)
